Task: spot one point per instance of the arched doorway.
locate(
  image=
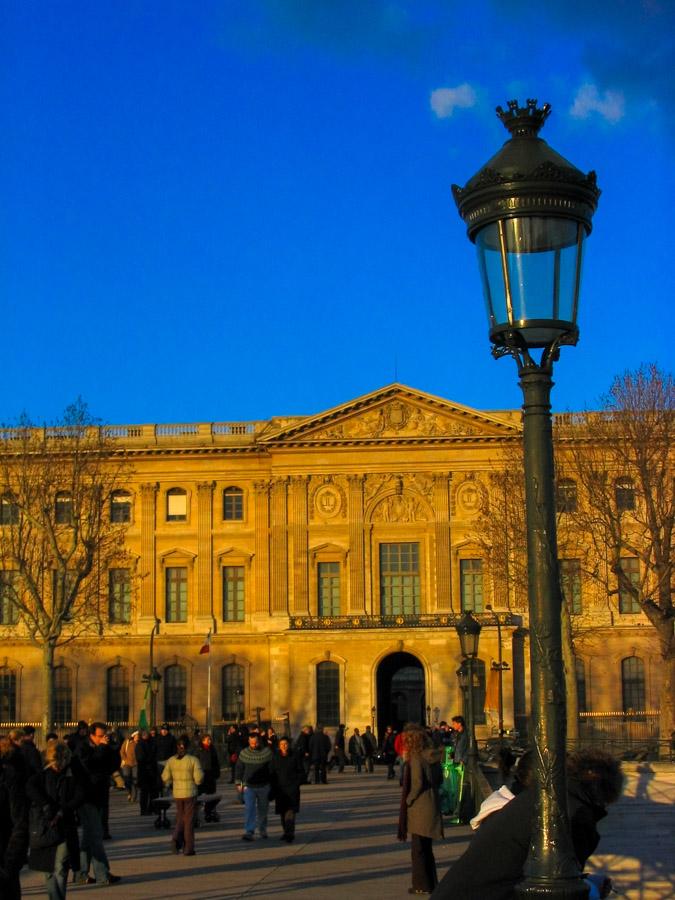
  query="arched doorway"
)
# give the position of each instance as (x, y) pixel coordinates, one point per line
(400, 691)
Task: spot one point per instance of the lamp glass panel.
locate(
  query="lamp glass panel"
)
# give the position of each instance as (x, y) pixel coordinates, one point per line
(541, 262)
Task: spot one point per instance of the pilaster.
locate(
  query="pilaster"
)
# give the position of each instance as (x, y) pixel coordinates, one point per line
(279, 546)
(261, 599)
(357, 593)
(148, 566)
(298, 521)
(441, 602)
(204, 605)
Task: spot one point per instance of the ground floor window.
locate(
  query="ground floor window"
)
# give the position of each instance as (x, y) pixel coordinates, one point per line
(175, 693)
(633, 684)
(328, 693)
(7, 694)
(233, 692)
(118, 694)
(63, 695)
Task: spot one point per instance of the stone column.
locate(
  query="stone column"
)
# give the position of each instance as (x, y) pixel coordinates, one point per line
(262, 547)
(204, 606)
(441, 601)
(148, 564)
(298, 522)
(279, 547)
(357, 591)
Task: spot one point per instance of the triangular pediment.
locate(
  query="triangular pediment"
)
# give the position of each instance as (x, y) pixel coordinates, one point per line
(396, 413)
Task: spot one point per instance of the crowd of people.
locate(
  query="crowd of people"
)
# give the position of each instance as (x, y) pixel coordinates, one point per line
(56, 802)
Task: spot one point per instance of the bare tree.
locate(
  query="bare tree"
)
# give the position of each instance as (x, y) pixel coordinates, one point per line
(57, 537)
(622, 458)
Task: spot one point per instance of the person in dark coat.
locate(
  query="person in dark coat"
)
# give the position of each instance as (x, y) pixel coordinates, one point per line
(493, 863)
(13, 819)
(420, 812)
(99, 761)
(301, 748)
(147, 776)
(389, 750)
(319, 748)
(287, 773)
(207, 755)
(165, 744)
(339, 749)
(31, 754)
(58, 789)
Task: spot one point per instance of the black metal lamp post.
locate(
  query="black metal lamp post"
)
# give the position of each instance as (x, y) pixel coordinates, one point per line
(468, 629)
(529, 210)
(155, 679)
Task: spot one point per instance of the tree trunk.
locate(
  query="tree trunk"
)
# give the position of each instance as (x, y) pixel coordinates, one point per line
(569, 662)
(48, 650)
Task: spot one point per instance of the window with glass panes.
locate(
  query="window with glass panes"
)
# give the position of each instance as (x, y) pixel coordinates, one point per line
(624, 491)
(176, 505)
(176, 593)
(328, 694)
(399, 579)
(118, 694)
(175, 693)
(9, 581)
(119, 596)
(629, 599)
(9, 511)
(120, 507)
(633, 684)
(566, 496)
(7, 694)
(471, 584)
(63, 508)
(580, 671)
(233, 504)
(63, 695)
(233, 699)
(233, 593)
(328, 574)
(570, 583)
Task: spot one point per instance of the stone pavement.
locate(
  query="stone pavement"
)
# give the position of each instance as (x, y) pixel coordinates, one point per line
(346, 842)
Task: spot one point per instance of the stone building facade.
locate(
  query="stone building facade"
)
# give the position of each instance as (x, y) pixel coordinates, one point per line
(324, 560)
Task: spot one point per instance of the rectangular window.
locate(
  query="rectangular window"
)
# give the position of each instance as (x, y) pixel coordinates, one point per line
(7, 694)
(629, 598)
(233, 593)
(471, 584)
(233, 504)
(120, 508)
(9, 582)
(328, 694)
(399, 579)
(329, 589)
(176, 505)
(176, 594)
(63, 508)
(119, 596)
(570, 584)
(9, 511)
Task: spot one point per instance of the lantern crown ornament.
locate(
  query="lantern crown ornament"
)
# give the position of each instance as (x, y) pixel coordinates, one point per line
(528, 210)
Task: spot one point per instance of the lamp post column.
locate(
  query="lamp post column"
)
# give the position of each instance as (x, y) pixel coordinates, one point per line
(551, 864)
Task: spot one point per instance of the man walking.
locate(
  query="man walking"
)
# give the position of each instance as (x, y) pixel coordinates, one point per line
(184, 772)
(252, 774)
(319, 748)
(99, 761)
(356, 750)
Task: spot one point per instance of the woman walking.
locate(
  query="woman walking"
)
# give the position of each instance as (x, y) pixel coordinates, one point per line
(287, 774)
(56, 793)
(420, 812)
(208, 757)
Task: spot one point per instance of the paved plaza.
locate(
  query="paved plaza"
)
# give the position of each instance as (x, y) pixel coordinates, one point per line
(346, 842)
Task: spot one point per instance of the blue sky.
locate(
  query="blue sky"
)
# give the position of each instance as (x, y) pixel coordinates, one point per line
(217, 211)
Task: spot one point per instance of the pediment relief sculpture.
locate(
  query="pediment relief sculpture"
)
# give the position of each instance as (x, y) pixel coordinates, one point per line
(397, 419)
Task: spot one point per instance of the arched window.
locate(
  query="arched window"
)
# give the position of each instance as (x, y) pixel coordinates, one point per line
(9, 511)
(233, 698)
(176, 505)
(624, 493)
(566, 495)
(633, 684)
(63, 695)
(580, 672)
(328, 693)
(63, 508)
(7, 694)
(233, 504)
(120, 507)
(118, 694)
(175, 693)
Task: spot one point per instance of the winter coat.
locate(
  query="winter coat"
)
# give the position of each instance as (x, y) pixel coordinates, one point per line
(319, 747)
(128, 753)
(424, 808)
(147, 776)
(13, 824)
(286, 775)
(165, 745)
(493, 863)
(185, 774)
(63, 794)
(208, 759)
(98, 762)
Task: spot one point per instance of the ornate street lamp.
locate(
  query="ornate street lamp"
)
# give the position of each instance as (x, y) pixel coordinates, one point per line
(529, 211)
(468, 629)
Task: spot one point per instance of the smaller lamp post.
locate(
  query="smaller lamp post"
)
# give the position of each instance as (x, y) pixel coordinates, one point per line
(373, 712)
(468, 629)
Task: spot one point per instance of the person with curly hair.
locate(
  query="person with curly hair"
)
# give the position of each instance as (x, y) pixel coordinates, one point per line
(420, 811)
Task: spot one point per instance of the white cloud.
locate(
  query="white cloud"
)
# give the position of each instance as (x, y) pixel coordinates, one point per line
(610, 105)
(444, 101)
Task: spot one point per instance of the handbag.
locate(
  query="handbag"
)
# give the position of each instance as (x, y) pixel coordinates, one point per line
(44, 830)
